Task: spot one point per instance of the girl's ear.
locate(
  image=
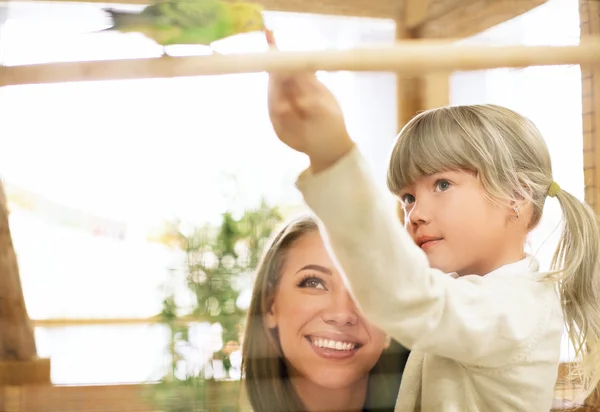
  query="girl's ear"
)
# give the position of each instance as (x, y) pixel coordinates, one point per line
(518, 207)
(515, 210)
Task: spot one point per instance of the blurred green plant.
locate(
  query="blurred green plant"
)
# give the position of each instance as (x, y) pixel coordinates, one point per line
(219, 262)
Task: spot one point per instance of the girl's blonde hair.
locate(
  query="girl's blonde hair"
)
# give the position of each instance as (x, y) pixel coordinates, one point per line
(266, 376)
(511, 159)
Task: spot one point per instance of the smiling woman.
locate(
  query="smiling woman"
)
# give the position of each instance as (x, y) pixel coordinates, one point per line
(307, 347)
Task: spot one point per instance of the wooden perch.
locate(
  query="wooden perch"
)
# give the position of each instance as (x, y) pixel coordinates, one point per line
(18, 356)
(407, 57)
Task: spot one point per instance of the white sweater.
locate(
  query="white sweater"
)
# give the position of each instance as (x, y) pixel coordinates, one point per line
(486, 344)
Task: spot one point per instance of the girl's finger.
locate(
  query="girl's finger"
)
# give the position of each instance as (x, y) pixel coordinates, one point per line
(288, 92)
(270, 39)
(273, 77)
(311, 76)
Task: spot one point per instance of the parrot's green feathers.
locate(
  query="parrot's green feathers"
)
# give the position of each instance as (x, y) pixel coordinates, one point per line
(246, 17)
(190, 21)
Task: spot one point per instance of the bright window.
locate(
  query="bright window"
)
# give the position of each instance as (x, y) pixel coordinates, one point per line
(93, 168)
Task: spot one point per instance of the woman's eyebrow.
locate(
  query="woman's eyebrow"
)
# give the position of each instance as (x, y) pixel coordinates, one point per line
(318, 268)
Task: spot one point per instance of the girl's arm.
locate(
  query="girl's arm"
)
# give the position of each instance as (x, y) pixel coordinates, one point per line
(474, 320)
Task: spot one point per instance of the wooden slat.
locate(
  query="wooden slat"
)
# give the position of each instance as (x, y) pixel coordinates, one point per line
(384, 9)
(464, 18)
(46, 398)
(108, 398)
(407, 57)
(58, 323)
(36, 371)
(104, 398)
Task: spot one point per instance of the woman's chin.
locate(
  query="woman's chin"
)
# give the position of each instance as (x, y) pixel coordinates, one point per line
(335, 378)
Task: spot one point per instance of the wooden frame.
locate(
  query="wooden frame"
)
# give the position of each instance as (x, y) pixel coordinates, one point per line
(19, 363)
(407, 57)
(416, 19)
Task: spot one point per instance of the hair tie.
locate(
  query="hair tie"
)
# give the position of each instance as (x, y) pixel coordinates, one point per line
(553, 189)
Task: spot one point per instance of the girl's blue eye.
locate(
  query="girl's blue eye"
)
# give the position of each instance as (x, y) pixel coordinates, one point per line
(442, 185)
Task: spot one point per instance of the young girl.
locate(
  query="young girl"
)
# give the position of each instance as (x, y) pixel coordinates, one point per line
(473, 181)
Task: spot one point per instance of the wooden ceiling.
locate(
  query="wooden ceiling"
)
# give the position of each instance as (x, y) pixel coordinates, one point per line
(423, 18)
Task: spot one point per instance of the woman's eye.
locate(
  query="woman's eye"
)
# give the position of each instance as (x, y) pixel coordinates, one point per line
(312, 283)
(442, 185)
(407, 199)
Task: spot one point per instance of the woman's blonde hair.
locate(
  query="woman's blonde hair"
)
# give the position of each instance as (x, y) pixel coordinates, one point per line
(265, 373)
(512, 161)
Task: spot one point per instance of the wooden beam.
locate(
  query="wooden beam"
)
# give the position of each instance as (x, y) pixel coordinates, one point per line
(589, 11)
(415, 13)
(437, 90)
(407, 57)
(17, 341)
(410, 98)
(464, 18)
(19, 364)
(383, 9)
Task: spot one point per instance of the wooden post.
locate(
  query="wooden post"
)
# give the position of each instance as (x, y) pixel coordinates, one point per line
(17, 342)
(428, 90)
(409, 88)
(589, 11)
(590, 26)
(19, 363)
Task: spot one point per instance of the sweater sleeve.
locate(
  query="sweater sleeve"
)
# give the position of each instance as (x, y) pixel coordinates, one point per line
(471, 319)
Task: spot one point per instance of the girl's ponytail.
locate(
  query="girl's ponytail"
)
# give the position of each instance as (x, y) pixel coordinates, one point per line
(577, 262)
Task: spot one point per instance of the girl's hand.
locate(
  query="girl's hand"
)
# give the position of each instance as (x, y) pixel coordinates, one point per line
(307, 117)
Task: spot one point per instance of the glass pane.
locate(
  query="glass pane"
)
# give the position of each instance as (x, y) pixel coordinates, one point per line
(92, 169)
(104, 354)
(117, 354)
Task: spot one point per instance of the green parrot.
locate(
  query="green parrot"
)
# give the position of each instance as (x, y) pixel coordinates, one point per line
(199, 22)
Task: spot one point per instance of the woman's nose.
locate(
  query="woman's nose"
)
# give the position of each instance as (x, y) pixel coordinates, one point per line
(341, 310)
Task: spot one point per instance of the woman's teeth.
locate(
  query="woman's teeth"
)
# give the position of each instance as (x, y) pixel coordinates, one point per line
(333, 344)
